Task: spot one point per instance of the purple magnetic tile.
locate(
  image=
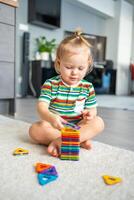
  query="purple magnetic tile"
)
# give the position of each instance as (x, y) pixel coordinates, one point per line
(50, 171)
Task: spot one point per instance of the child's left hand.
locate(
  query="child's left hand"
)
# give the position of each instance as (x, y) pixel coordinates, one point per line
(88, 114)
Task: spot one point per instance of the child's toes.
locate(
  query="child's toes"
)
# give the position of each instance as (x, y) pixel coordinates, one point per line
(54, 152)
(86, 145)
(54, 148)
(50, 149)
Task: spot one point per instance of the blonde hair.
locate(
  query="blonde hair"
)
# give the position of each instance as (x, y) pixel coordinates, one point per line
(76, 40)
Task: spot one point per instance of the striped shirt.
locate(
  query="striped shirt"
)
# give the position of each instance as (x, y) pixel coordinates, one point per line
(68, 101)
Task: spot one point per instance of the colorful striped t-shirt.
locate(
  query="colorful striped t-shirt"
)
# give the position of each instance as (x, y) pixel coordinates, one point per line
(68, 101)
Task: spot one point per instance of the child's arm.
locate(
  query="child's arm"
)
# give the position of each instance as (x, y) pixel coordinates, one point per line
(89, 114)
(55, 120)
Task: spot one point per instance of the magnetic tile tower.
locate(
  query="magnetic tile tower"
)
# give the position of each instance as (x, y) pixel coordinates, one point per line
(70, 145)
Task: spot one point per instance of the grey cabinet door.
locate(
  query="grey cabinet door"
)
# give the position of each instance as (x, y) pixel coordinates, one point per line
(6, 43)
(6, 80)
(7, 58)
(7, 14)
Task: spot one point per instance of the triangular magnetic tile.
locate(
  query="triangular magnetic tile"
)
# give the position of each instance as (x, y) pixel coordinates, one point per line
(20, 151)
(50, 171)
(44, 178)
(41, 167)
(111, 180)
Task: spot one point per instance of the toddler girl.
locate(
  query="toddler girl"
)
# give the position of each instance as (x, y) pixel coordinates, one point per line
(68, 97)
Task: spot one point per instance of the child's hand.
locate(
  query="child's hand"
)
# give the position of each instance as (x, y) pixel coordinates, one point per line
(57, 121)
(87, 115)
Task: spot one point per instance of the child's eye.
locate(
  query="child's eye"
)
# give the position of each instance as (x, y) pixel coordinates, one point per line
(68, 67)
(81, 68)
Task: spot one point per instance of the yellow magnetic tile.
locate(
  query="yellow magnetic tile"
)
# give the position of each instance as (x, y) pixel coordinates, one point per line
(20, 151)
(111, 180)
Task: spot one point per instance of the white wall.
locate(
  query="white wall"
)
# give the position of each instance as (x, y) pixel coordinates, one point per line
(111, 31)
(132, 49)
(104, 6)
(124, 48)
(74, 16)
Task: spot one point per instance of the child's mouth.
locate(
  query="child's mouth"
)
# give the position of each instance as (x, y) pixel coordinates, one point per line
(73, 79)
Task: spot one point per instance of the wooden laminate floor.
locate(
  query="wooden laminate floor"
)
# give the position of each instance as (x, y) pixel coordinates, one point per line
(119, 124)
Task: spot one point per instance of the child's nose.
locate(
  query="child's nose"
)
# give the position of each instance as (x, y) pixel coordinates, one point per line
(74, 71)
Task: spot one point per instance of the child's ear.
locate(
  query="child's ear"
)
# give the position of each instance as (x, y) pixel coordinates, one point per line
(90, 61)
(90, 64)
(58, 63)
(57, 66)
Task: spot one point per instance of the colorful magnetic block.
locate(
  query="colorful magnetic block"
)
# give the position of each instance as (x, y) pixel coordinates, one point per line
(20, 151)
(41, 167)
(45, 178)
(70, 146)
(50, 171)
(71, 125)
(46, 173)
(111, 180)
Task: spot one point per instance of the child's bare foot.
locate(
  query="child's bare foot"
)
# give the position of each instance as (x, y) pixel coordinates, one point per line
(54, 147)
(86, 145)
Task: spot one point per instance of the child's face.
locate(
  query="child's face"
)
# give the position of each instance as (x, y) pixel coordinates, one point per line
(74, 67)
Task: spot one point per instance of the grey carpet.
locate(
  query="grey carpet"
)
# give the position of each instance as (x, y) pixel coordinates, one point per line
(78, 180)
(118, 102)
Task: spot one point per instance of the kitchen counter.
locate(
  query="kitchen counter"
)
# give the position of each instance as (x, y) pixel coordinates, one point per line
(13, 3)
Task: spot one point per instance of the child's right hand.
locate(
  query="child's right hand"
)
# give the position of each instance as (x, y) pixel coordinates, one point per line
(57, 121)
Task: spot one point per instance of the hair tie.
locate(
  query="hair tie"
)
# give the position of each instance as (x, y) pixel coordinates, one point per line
(78, 35)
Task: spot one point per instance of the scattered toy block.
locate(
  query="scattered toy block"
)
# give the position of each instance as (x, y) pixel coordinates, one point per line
(45, 178)
(20, 151)
(41, 167)
(50, 171)
(111, 180)
(46, 173)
